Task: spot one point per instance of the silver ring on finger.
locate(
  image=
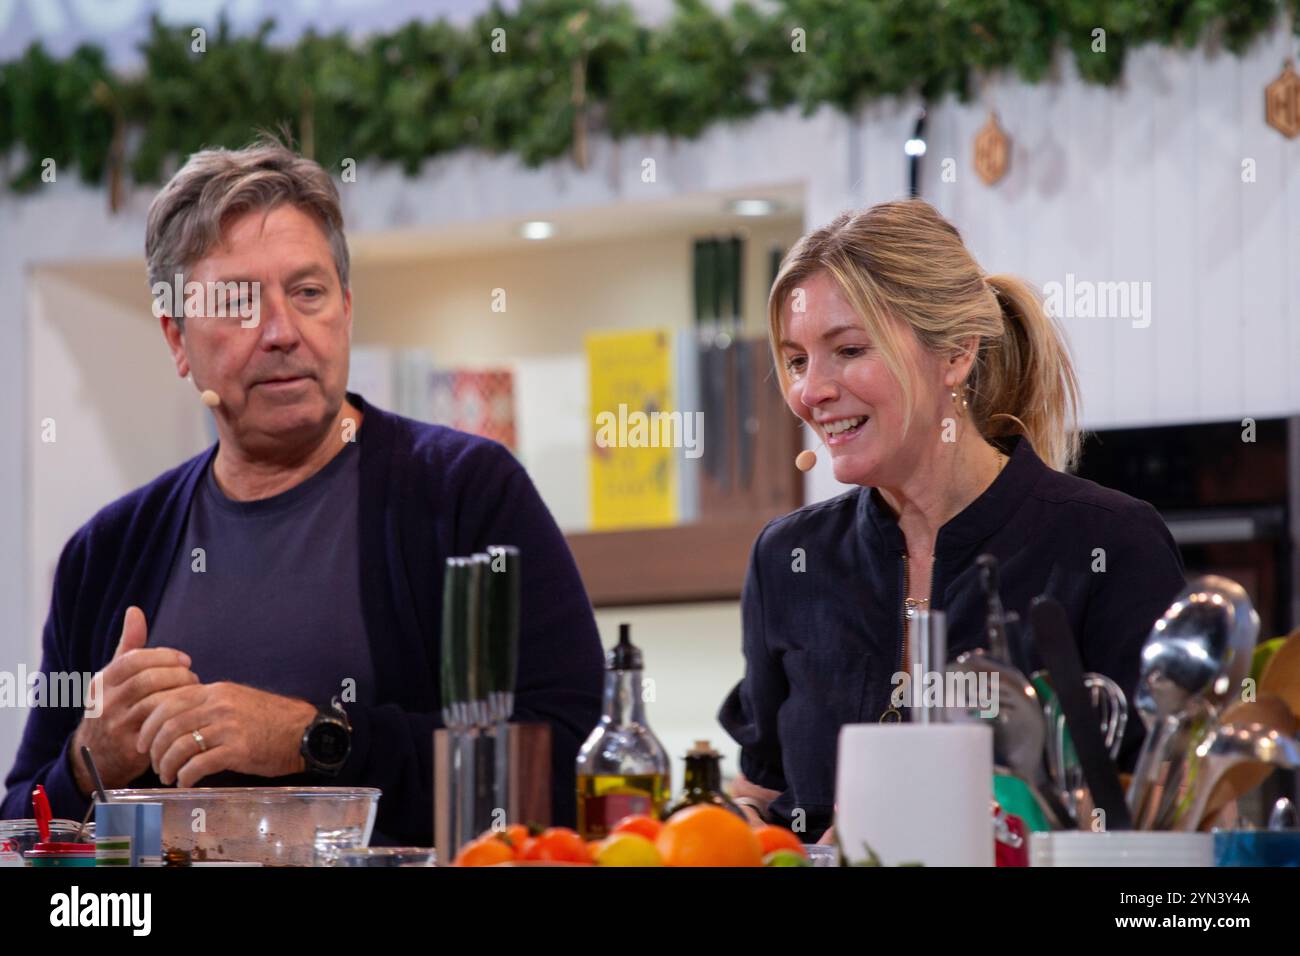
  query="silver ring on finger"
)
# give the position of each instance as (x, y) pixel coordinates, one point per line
(198, 739)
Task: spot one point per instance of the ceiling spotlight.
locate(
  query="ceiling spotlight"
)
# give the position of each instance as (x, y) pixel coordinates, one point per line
(915, 149)
(752, 207)
(537, 229)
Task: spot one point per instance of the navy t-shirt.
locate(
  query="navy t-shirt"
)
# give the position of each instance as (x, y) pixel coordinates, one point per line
(267, 593)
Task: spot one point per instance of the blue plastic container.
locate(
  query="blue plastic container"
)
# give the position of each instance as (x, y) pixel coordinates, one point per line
(1257, 848)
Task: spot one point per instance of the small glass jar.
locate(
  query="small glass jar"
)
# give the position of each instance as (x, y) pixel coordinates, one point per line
(61, 854)
(387, 856)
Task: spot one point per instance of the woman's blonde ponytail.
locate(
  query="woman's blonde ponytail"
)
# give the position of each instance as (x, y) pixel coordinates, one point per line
(1024, 381)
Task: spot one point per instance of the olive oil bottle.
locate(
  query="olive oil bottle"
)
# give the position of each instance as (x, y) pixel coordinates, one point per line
(703, 783)
(622, 768)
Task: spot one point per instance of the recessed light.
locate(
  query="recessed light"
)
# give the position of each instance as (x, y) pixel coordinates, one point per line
(752, 207)
(537, 229)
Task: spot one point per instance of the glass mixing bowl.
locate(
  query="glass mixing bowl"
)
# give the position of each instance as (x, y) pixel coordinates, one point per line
(274, 826)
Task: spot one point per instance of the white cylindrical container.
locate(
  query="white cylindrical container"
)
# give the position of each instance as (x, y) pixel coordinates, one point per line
(1121, 848)
(915, 794)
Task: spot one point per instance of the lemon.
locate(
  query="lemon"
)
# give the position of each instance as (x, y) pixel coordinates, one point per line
(627, 849)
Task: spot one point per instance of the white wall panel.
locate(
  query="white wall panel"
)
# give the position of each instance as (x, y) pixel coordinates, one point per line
(1135, 240)
(1266, 367)
(1216, 266)
(1173, 382)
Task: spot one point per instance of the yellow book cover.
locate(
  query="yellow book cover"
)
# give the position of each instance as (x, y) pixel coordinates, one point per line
(633, 463)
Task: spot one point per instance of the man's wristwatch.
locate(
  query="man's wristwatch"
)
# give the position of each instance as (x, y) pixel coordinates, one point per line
(327, 741)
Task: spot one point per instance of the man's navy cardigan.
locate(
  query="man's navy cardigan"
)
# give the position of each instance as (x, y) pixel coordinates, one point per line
(427, 493)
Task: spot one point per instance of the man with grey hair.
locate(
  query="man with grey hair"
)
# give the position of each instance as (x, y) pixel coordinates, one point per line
(270, 610)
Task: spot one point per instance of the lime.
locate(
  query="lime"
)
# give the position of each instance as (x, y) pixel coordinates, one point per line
(1263, 654)
(785, 858)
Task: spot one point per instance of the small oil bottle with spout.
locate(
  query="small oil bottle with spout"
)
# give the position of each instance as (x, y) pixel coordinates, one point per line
(703, 783)
(622, 768)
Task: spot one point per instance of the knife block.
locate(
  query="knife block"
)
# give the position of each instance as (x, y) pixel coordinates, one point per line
(749, 450)
(477, 774)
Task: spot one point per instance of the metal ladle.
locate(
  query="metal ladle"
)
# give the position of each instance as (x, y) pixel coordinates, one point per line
(1195, 657)
(1019, 727)
(1283, 815)
(1237, 756)
(1111, 706)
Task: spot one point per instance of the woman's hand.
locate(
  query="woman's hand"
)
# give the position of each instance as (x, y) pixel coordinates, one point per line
(742, 787)
(752, 815)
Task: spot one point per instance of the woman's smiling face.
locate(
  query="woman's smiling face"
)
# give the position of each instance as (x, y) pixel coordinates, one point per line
(839, 383)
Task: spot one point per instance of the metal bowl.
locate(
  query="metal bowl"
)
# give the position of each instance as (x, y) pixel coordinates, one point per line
(274, 826)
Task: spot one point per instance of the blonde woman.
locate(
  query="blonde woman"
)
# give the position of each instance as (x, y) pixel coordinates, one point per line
(948, 398)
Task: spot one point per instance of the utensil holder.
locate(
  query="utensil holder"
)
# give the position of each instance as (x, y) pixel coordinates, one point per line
(485, 778)
(1141, 848)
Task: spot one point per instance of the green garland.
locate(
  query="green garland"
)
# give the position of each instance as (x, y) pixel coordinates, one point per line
(429, 88)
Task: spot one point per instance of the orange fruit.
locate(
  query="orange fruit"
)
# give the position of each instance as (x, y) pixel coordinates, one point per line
(639, 824)
(772, 838)
(708, 836)
(558, 844)
(484, 851)
(517, 836)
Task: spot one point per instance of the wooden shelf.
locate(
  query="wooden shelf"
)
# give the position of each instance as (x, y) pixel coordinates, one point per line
(705, 561)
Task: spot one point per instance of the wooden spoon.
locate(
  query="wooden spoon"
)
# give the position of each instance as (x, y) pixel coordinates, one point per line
(1282, 673)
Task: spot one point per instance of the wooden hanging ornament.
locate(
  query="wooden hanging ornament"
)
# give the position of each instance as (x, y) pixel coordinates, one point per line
(578, 93)
(992, 151)
(1282, 102)
(115, 163)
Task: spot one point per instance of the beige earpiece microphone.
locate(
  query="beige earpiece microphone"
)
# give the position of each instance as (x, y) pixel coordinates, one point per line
(206, 395)
(807, 459)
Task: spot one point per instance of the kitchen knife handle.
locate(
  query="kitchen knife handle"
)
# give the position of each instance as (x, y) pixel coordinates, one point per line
(455, 632)
(1055, 642)
(501, 609)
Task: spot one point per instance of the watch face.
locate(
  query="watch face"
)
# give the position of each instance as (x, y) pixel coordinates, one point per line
(329, 743)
